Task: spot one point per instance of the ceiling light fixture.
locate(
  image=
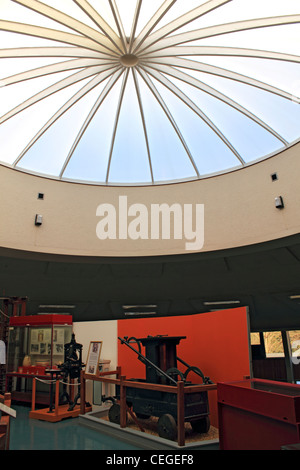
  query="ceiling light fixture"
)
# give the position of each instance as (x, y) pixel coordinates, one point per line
(139, 310)
(56, 306)
(139, 306)
(139, 313)
(222, 302)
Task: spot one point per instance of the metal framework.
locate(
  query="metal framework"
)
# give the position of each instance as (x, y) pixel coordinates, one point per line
(168, 52)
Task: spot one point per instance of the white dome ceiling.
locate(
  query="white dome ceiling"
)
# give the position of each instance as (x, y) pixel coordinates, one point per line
(146, 92)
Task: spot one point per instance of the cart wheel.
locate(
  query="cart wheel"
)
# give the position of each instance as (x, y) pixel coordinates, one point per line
(167, 427)
(201, 425)
(114, 413)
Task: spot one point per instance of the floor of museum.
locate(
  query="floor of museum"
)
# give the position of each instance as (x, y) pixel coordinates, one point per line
(32, 434)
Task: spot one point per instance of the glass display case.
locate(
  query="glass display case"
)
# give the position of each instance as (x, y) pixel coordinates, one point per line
(35, 344)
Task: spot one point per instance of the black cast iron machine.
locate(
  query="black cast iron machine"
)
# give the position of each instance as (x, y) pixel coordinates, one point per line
(70, 370)
(161, 363)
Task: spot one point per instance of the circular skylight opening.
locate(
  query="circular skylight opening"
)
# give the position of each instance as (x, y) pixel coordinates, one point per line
(140, 92)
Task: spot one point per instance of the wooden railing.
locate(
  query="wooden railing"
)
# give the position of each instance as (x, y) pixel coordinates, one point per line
(5, 422)
(181, 389)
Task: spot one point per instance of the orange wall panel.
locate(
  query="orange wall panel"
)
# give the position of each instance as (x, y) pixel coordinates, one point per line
(216, 343)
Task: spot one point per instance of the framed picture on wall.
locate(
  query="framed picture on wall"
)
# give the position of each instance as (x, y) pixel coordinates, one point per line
(93, 358)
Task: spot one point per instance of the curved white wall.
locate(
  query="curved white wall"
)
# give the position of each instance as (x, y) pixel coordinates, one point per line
(239, 209)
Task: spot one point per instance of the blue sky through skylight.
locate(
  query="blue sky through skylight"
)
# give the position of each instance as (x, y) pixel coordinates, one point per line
(139, 92)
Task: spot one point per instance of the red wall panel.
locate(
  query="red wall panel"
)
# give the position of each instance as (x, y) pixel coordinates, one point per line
(216, 343)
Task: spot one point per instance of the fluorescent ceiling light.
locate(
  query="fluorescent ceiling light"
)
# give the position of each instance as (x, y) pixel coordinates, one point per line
(56, 306)
(139, 313)
(138, 306)
(222, 302)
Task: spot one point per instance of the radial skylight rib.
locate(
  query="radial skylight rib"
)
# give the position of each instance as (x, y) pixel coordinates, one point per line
(177, 92)
(53, 52)
(221, 72)
(52, 69)
(100, 22)
(181, 51)
(119, 24)
(216, 94)
(53, 89)
(54, 35)
(143, 122)
(126, 73)
(218, 30)
(68, 21)
(184, 20)
(156, 18)
(170, 117)
(72, 101)
(134, 24)
(90, 116)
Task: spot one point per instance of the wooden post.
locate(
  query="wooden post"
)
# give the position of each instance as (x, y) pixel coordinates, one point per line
(180, 414)
(123, 408)
(82, 393)
(33, 394)
(6, 420)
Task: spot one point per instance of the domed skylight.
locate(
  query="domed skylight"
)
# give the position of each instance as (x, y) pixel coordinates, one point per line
(146, 91)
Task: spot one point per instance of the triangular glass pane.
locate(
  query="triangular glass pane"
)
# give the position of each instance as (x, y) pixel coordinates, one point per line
(169, 158)
(48, 154)
(208, 151)
(104, 10)
(27, 123)
(239, 10)
(18, 13)
(130, 163)
(127, 11)
(11, 66)
(249, 139)
(148, 9)
(15, 40)
(281, 38)
(15, 94)
(277, 73)
(178, 9)
(90, 159)
(282, 114)
(70, 8)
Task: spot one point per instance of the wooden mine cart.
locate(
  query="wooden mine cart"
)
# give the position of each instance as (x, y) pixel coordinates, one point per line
(161, 368)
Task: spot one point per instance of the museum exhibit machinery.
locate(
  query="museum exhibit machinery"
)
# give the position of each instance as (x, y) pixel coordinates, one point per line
(161, 363)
